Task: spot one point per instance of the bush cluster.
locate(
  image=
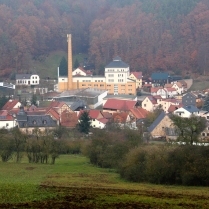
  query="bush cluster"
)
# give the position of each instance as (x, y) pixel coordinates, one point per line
(38, 147)
(108, 148)
(183, 165)
(158, 164)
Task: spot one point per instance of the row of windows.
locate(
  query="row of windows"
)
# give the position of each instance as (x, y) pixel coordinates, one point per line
(43, 122)
(119, 70)
(91, 81)
(26, 82)
(96, 85)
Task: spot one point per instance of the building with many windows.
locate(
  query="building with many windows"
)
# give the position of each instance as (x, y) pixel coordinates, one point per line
(115, 80)
(27, 79)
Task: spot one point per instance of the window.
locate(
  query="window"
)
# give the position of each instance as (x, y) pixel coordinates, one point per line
(44, 122)
(145, 105)
(203, 134)
(34, 122)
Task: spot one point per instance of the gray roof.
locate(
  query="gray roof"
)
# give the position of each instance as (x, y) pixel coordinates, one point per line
(117, 63)
(78, 104)
(157, 121)
(23, 76)
(37, 121)
(88, 92)
(25, 120)
(159, 76)
(191, 108)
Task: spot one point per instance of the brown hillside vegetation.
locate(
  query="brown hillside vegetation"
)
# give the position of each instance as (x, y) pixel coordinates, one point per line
(171, 35)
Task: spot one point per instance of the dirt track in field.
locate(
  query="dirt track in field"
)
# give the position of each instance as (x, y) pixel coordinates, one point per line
(90, 198)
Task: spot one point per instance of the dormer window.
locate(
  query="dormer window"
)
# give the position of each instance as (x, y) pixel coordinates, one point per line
(34, 122)
(44, 122)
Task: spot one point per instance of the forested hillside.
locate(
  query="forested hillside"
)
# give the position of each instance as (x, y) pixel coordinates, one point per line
(150, 35)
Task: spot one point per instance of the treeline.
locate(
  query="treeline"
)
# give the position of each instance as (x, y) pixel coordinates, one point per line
(155, 35)
(137, 161)
(149, 35)
(38, 147)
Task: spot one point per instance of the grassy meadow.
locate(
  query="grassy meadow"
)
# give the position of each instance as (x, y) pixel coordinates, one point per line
(74, 183)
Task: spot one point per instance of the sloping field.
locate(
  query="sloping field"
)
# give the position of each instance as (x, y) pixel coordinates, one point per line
(73, 183)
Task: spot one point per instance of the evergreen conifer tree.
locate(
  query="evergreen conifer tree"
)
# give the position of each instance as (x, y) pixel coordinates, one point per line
(84, 123)
(76, 64)
(63, 67)
(206, 104)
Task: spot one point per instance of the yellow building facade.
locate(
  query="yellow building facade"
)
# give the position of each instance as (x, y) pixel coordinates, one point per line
(115, 80)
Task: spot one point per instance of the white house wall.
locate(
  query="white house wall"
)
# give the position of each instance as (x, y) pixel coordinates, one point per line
(7, 124)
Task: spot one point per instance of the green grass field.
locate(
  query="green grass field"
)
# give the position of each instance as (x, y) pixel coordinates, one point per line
(74, 183)
(48, 67)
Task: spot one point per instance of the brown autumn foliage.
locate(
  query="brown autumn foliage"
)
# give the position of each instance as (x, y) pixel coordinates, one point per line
(149, 35)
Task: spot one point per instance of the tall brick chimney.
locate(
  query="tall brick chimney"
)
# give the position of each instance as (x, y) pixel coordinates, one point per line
(70, 62)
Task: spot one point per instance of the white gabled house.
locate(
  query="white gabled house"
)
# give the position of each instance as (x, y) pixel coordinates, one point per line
(171, 92)
(187, 111)
(27, 79)
(179, 88)
(99, 123)
(159, 91)
(81, 72)
(7, 121)
(150, 103)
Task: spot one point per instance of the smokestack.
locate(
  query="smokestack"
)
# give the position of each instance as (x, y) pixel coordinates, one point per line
(70, 65)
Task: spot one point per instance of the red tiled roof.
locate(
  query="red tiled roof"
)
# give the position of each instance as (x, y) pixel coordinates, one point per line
(116, 104)
(94, 114)
(168, 85)
(120, 117)
(3, 112)
(69, 119)
(155, 89)
(138, 75)
(53, 113)
(172, 108)
(5, 116)
(107, 115)
(14, 111)
(139, 113)
(10, 105)
(103, 120)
